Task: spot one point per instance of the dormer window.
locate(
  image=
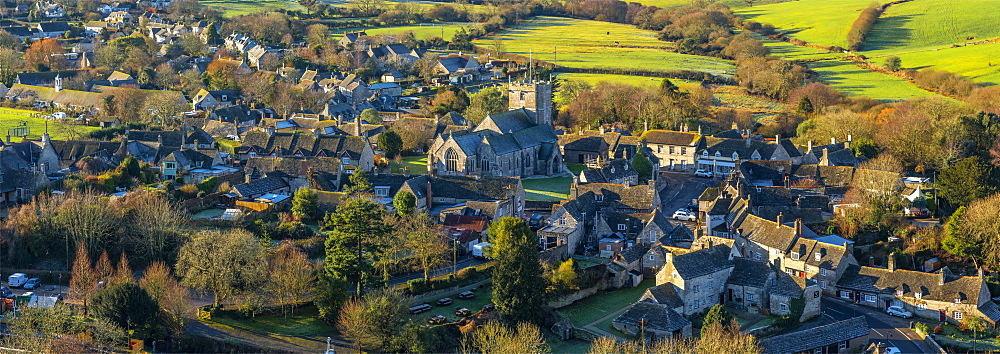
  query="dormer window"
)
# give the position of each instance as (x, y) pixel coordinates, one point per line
(621, 227)
(599, 197)
(705, 154)
(736, 156)
(899, 293)
(818, 256)
(958, 301)
(346, 160)
(918, 295)
(795, 256)
(718, 154)
(562, 221)
(382, 191)
(225, 98)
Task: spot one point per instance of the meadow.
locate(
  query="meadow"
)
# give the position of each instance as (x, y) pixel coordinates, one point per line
(422, 31)
(231, 8)
(930, 24)
(981, 63)
(856, 81)
(641, 81)
(593, 44)
(815, 21)
(10, 118)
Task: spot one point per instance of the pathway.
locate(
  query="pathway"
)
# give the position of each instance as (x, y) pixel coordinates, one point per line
(593, 325)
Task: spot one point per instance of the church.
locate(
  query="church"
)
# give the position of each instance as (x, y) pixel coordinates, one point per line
(520, 142)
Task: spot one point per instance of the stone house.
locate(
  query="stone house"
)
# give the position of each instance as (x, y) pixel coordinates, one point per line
(939, 296)
(350, 38)
(698, 278)
(583, 149)
(673, 149)
(721, 156)
(618, 171)
(786, 288)
(453, 190)
(354, 151)
(320, 173)
(253, 188)
(656, 321)
(185, 162)
(847, 336)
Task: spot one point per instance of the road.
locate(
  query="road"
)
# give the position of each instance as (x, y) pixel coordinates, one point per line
(681, 187)
(893, 331)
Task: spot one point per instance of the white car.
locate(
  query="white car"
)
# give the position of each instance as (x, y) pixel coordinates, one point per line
(898, 311)
(703, 173)
(684, 214)
(892, 350)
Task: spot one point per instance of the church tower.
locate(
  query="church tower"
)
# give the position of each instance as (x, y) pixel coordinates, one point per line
(536, 97)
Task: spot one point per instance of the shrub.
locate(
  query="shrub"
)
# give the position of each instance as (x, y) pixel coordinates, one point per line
(938, 329)
(923, 328)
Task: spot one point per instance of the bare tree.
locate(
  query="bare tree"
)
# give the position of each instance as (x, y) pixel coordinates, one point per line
(425, 240)
(164, 288)
(292, 277)
(83, 281)
(496, 338)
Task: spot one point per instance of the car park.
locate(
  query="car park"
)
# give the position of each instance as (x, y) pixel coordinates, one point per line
(703, 173)
(444, 302)
(437, 319)
(420, 309)
(33, 283)
(898, 311)
(17, 280)
(466, 295)
(684, 214)
(462, 312)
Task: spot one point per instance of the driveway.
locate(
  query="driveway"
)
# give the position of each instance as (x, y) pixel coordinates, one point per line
(893, 331)
(681, 187)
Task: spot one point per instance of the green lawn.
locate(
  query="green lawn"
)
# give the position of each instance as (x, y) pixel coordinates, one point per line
(483, 297)
(591, 309)
(305, 322)
(547, 189)
(576, 168)
(592, 44)
(231, 8)
(953, 337)
(417, 164)
(822, 22)
(856, 81)
(10, 118)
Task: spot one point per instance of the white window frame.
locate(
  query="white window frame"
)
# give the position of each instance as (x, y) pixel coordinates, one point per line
(795, 256)
(870, 298)
(783, 307)
(918, 295)
(899, 293)
(621, 227)
(922, 306)
(652, 257)
(842, 345)
(599, 197)
(822, 284)
(749, 297)
(818, 256)
(822, 272)
(382, 191)
(956, 314)
(696, 288)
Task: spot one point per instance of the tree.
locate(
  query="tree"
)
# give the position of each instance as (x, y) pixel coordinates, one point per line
(390, 143)
(969, 179)
(716, 315)
(518, 287)
(305, 204)
(955, 242)
(360, 185)
(374, 320)
(977, 233)
(10, 63)
(371, 116)
(564, 276)
(45, 54)
(83, 281)
(103, 268)
(642, 166)
(126, 305)
(667, 88)
(488, 101)
(167, 292)
(225, 263)
(292, 276)
(123, 272)
(211, 34)
(715, 338)
(864, 147)
(805, 106)
(405, 203)
(892, 63)
(422, 237)
(496, 338)
(317, 34)
(352, 242)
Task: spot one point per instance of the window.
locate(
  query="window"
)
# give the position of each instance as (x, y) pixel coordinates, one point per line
(225, 98)
(382, 191)
(652, 257)
(253, 154)
(818, 350)
(922, 306)
(818, 256)
(870, 298)
(599, 197)
(562, 221)
(783, 306)
(843, 345)
(795, 256)
(659, 149)
(918, 295)
(607, 247)
(170, 165)
(697, 305)
(345, 160)
(958, 301)
(736, 156)
(822, 284)
(696, 288)
(671, 150)
(451, 160)
(822, 271)
(844, 294)
(621, 227)
(756, 255)
(684, 151)
(749, 297)
(956, 314)
(899, 293)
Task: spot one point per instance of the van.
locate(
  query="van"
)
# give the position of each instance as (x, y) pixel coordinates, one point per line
(17, 280)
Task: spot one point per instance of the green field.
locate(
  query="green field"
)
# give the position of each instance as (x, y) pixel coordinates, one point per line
(856, 81)
(822, 22)
(231, 8)
(593, 45)
(305, 322)
(981, 63)
(547, 189)
(641, 81)
(930, 24)
(593, 308)
(10, 118)
(422, 31)
(417, 165)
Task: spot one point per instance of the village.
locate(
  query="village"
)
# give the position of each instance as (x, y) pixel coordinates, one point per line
(177, 180)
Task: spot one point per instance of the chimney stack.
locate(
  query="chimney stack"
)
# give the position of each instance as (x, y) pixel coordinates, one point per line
(430, 195)
(777, 138)
(891, 262)
(850, 138)
(941, 277)
(781, 217)
(698, 232)
(798, 227)
(833, 141)
(809, 147)
(406, 171)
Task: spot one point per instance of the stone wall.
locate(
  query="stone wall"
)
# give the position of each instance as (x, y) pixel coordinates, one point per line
(578, 295)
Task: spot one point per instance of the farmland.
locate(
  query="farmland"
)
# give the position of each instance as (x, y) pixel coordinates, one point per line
(980, 62)
(600, 45)
(641, 81)
(929, 24)
(10, 118)
(422, 31)
(804, 19)
(856, 81)
(232, 8)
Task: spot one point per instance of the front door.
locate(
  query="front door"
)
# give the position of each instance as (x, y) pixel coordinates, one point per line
(722, 299)
(730, 294)
(942, 316)
(887, 304)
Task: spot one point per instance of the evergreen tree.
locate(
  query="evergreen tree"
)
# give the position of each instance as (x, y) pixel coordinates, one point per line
(352, 244)
(518, 286)
(305, 204)
(806, 105)
(667, 88)
(717, 314)
(404, 202)
(642, 166)
(390, 143)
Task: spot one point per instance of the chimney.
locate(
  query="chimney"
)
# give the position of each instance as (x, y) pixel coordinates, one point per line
(798, 227)
(871, 261)
(430, 195)
(195, 144)
(437, 119)
(748, 140)
(833, 141)
(246, 178)
(406, 171)
(891, 262)
(430, 166)
(645, 125)
(602, 130)
(981, 272)
(573, 193)
(788, 182)
(698, 233)
(850, 138)
(699, 129)
(357, 126)
(159, 139)
(809, 147)
(668, 257)
(941, 277)
(777, 138)
(847, 144)
(781, 217)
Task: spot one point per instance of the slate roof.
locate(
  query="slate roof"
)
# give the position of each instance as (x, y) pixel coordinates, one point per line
(663, 294)
(634, 253)
(616, 169)
(54, 27)
(812, 338)
(703, 262)
(639, 198)
(790, 286)
(191, 157)
(471, 188)
(72, 150)
(260, 186)
(309, 145)
(991, 311)
(748, 272)
(837, 176)
(44, 78)
(583, 143)
(511, 121)
(766, 232)
(879, 280)
(658, 317)
(729, 134)
(744, 148)
(294, 166)
(669, 137)
(770, 196)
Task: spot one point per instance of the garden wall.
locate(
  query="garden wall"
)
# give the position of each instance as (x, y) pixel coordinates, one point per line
(579, 295)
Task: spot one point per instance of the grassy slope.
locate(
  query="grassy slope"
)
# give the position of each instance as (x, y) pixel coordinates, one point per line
(10, 118)
(855, 81)
(423, 31)
(929, 24)
(593, 47)
(981, 63)
(232, 8)
(641, 81)
(820, 22)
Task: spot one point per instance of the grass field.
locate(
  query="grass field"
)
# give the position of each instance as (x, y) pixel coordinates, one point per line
(820, 22)
(928, 24)
(593, 46)
(856, 81)
(591, 309)
(10, 118)
(305, 322)
(981, 63)
(417, 164)
(231, 8)
(422, 31)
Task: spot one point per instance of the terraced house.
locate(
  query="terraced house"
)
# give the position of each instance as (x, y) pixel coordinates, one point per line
(353, 151)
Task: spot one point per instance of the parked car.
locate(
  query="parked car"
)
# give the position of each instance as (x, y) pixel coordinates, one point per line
(489, 307)
(437, 319)
(420, 309)
(17, 280)
(684, 214)
(444, 302)
(703, 173)
(898, 311)
(33, 283)
(466, 295)
(462, 312)
(5, 292)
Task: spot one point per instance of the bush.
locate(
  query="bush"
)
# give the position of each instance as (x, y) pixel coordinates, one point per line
(938, 329)
(923, 328)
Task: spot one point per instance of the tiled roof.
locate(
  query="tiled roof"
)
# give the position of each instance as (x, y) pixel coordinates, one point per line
(703, 262)
(879, 280)
(669, 137)
(639, 197)
(765, 232)
(73, 150)
(817, 337)
(656, 316)
(616, 169)
(471, 188)
(634, 253)
(990, 310)
(294, 166)
(583, 143)
(790, 286)
(839, 176)
(663, 294)
(260, 186)
(467, 222)
(749, 272)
